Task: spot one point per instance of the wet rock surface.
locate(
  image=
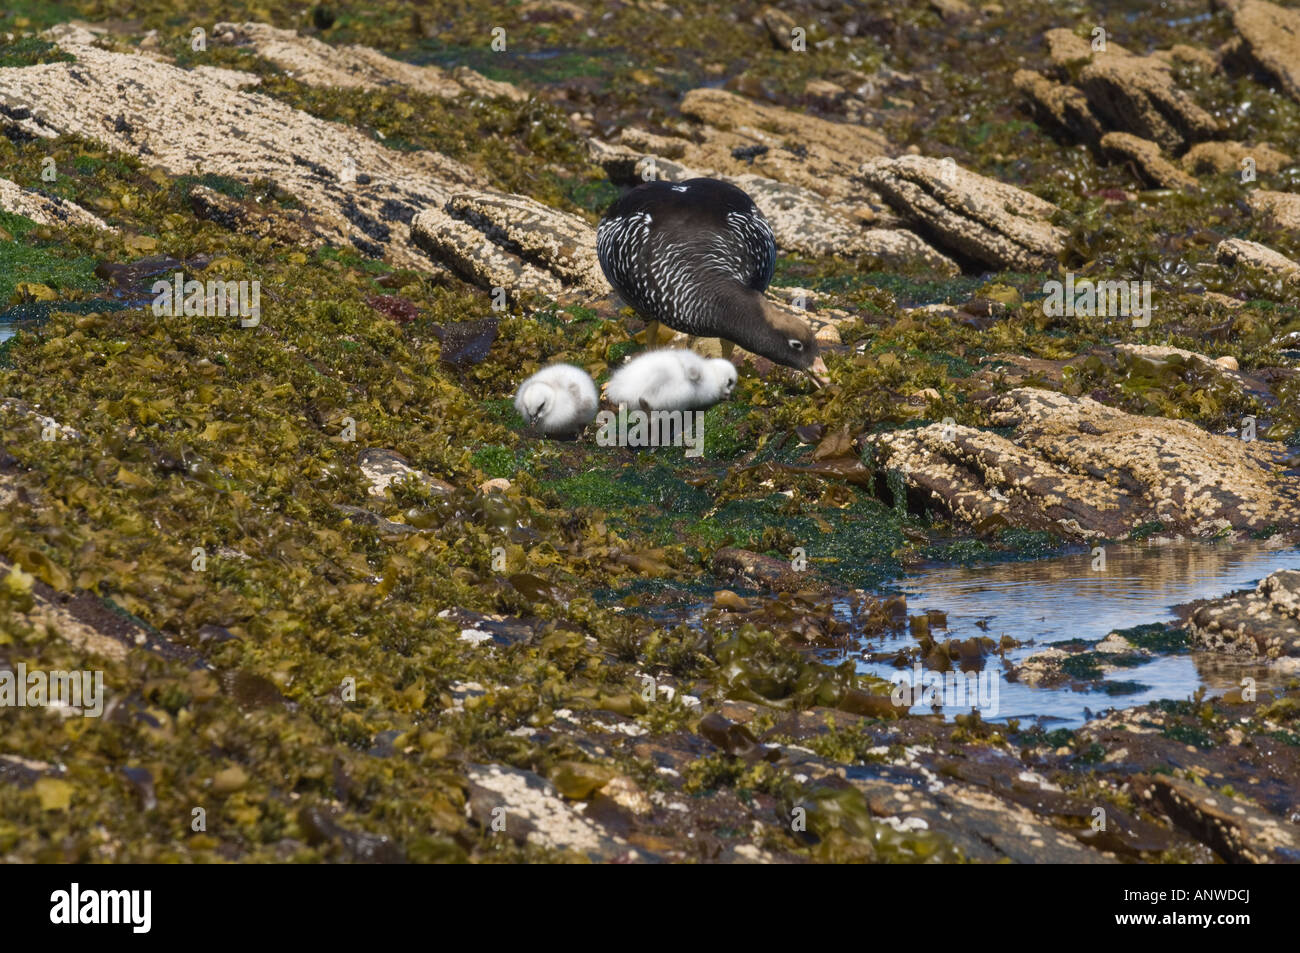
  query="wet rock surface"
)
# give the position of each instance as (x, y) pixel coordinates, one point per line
(323, 165)
(982, 219)
(319, 64)
(1145, 156)
(48, 210)
(1092, 471)
(1262, 624)
(1271, 34)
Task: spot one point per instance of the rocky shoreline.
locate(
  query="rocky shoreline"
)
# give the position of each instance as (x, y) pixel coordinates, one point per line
(347, 609)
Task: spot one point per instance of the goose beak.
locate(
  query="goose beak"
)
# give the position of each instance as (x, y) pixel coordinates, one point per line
(820, 376)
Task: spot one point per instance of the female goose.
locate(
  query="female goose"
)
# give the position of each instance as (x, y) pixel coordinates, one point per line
(697, 256)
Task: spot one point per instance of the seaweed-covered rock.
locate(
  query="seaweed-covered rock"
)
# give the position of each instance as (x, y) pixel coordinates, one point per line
(1263, 623)
(87, 622)
(512, 242)
(310, 61)
(979, 217)
(1239, 251)
(1278, 209)
(803, 221)
(47, 209)
(248, 217)
(1271, 35)
(1082, 469)
(1060, 105)
(1146, 157)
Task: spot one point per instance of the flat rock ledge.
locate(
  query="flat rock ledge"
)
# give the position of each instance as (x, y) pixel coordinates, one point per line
(1263, 623)
(1270, 36)
(47, 209)
(1279, 210)
(352, 189)
(1124, 106)
(803, 221)
(497, 240)
(1239, 251)
(1077, 467)
(310, 61)
(978, 217)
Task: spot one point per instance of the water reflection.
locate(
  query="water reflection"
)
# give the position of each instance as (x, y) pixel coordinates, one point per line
(1052, 600)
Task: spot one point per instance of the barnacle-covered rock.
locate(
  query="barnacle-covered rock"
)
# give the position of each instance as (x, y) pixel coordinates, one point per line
(511, 242)
(1060, 105)
(1228, 156)
(528, 809)
(310, 61)
(1277, 209)
(976, 216)
(1109, 88)
(1239, 251)
(383, 467)
(803, 221)
(1239, 832)
(1263, 623)
(1271, 35)
(47, 209)
(1138, 94)
(1082, 469)
(738, 135)
(1145, 155)
(356, 191)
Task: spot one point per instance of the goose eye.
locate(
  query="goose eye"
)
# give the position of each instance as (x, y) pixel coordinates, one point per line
(796, 344)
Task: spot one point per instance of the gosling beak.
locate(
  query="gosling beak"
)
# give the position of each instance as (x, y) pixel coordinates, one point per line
(820, 376)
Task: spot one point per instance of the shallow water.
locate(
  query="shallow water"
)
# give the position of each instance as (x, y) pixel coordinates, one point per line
(1053, 600)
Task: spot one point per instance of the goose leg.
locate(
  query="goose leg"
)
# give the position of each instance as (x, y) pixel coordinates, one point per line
(727, 347)
(652, 334)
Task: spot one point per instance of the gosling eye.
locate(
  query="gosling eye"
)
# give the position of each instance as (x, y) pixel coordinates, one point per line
(795, 344)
